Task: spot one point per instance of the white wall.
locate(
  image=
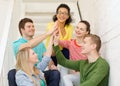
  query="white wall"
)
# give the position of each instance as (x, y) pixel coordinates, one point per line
(12, 9)
(5, 9)
(104, 19)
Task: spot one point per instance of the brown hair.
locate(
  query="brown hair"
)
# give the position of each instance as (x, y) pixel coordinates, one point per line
(22, 23)
(87, 25)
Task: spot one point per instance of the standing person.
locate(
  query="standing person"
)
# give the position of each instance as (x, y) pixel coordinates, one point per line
(95, 70)
(74, 47)
(63, 20)
(27, 30)
(27, 74)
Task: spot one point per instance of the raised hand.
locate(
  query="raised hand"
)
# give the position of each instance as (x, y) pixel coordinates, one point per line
(56, 38)
(53, 29)
(25, 45)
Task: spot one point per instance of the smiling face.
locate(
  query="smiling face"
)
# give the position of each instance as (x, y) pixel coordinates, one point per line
(87, 45)
(32, 57)
(91, 43)
(62, 15)
(28, 29)
(81, 30)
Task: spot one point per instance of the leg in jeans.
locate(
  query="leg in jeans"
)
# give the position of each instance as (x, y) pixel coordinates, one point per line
(71, 79)
(63, 70)
(52, 77)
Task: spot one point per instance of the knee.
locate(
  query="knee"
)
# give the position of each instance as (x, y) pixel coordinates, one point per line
(52, 74)
(65, 77)
(55, 74)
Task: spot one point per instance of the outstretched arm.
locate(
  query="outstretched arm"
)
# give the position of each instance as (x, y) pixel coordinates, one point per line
(65, 62)
(61, 58)
(46, 59)
(35, 41)
(49, 48)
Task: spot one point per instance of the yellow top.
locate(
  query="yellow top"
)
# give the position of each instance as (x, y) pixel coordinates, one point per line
(68, 35)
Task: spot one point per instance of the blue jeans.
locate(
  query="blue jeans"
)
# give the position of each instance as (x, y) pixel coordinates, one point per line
(52, 77)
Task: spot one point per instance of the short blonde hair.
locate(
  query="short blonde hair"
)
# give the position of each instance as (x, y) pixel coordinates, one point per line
(95, 39)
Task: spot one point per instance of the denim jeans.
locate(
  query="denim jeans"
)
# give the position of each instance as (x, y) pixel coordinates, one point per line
(52, 77)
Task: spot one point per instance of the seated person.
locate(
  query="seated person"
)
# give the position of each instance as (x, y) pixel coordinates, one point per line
(27, 74)
(27, 31)
(95, 70)
(74, 47)
(63, 19)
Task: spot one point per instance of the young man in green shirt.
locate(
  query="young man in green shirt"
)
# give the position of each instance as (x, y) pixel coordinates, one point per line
(95, 70)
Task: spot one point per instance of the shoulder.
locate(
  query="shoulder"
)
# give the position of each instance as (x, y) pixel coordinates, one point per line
(103, 63)
(22, 79)
(41, 44)
(20, 72)
(103, 60)
(72, 39)
(67, 41)
(69, 26)
(16, 44)
(19, 41)
(21, 75)
(49, 25)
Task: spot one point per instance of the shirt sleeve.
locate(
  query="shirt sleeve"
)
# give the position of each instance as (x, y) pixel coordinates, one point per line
(23, 80)
(44, 63)
(64, 62)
